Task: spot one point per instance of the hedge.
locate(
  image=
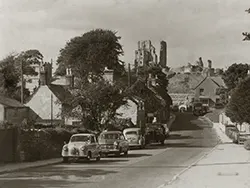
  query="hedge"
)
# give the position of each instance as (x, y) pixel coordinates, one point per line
(43, 143)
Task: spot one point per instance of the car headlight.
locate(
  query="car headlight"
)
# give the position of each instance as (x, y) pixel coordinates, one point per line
(65, 148)
(83, 148)
(116, 144)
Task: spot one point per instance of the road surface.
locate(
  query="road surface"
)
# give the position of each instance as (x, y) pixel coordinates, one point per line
(152, 167)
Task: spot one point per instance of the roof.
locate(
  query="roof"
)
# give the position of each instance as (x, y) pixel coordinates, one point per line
(131, 129)
(111, 132)
(216, 79)
(83, 134)
(8, 102)
(60, 91)
(184, 83)
(164, 94)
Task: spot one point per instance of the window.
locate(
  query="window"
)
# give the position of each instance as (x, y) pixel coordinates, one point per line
(201, 91)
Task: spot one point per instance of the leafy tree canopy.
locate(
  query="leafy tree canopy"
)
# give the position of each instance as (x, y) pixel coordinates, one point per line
(97, 103)
(91, 53)
(238, 108)
(10, 72)
(234, 74)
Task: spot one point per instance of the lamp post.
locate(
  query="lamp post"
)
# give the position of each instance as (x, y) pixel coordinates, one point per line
(22, 86)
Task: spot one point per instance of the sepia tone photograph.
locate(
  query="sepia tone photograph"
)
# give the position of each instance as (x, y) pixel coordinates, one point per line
(124, 94)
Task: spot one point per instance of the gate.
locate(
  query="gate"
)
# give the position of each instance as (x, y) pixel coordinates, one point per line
(8, 144)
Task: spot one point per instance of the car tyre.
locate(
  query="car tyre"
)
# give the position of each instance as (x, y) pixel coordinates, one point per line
(89, 156)
(98, 158)
(65, 159)
(126, 152)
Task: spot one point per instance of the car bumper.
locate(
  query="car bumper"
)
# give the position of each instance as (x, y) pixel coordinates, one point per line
(110, 151)
(77, 155)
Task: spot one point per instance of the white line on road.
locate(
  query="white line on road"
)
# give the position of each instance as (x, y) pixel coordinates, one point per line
(190, 166)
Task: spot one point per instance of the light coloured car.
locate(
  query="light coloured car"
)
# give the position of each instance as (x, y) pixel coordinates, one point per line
(81, 146)
(134, 137)
(113, 142)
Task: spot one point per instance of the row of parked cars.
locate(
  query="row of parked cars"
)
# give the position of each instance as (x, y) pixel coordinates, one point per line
(89, 146)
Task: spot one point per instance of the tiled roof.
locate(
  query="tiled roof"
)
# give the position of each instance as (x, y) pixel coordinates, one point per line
(8, 102)
(218, 80)
(60, 91)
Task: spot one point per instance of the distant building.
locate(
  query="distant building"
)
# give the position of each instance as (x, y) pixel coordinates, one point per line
(14, 112)
(163, 54)
(207, 90)
(49, 101)
(145, 55)
(32, 81)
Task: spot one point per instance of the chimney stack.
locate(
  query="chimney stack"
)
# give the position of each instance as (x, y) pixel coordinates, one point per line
(209, 64)
(69, 78)
(45, 73)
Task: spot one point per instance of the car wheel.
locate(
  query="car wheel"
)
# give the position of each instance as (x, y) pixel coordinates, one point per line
(126, 152)
(119, 152)
(89, 156)
(65, 159)
(98, 158)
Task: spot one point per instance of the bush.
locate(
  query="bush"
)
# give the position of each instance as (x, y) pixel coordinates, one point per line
(43, 143)
(247, 144)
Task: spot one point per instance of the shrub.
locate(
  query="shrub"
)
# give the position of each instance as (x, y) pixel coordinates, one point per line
(43, 143)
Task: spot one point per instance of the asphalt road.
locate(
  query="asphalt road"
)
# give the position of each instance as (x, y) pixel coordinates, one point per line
(152, 167)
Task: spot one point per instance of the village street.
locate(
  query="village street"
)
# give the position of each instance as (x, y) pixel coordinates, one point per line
(190, 139)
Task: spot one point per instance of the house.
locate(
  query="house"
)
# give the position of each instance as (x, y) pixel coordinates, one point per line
(207, 90)
(14, 112)
(50, 101)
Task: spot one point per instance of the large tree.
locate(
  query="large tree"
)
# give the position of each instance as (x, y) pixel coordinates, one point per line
(97, 103)
(238, 108)
(10, 72)
(234, 74)
(90, 53)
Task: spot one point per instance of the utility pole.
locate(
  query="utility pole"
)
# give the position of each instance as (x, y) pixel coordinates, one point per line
(22, 86)
(129, 75)
(51, 109)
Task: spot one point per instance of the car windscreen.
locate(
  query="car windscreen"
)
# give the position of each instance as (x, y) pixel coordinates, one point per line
(131, 133)
(80, 139)
(109, 136)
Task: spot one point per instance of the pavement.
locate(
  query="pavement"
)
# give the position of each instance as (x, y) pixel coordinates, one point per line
(11, 167)
(227, 165)
(191, 138)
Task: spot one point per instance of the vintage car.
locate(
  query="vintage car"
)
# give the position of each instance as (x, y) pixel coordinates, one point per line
(113, 142)
(81, 146)
(134, 137)
(155, 133)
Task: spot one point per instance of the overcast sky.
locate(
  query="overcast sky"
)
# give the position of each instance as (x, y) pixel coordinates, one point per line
(192, 28)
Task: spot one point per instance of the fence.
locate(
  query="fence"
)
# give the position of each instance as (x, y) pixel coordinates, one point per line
(9, 145)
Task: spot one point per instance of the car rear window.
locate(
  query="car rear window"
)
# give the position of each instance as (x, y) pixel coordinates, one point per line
(131, 133)
(109, 136)
(80, 139)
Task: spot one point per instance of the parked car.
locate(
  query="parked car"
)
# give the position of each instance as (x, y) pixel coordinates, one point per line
(155, 133)
(199, 109)
(81, 146)
(233, 133)
(113, 142)
(134, 137)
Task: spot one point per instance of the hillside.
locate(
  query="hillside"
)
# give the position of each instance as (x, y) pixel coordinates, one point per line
(183, 83)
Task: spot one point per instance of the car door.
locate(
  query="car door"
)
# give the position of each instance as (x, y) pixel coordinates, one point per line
(124, 142)
(93, 145)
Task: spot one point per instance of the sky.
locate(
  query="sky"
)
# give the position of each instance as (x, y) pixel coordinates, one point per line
(210, 29)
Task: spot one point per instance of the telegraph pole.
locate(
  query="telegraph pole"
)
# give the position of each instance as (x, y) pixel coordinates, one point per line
(22, 86)
(129, 75)
(51, 110)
